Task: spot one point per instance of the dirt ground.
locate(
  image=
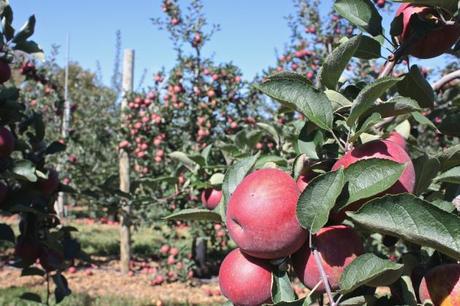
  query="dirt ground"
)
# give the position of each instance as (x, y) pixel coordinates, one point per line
(108, 281)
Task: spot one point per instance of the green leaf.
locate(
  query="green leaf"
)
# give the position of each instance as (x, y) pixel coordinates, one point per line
(309, 142)
(369, 177)
(29, 296)
(444, 205)
(55, 147)
(366, 126)
(450, 176)
(216, 179)
(195, 214)
(337, 61)
(337, 99)
(25, 169)
(366, 269)
(411, 219)
(318, 198)
(62, 288)
(396, 106)
(415, 86)
(275, 159)
(281, 288)
(296, 91)
(423, 120)
(450, 157)
(31, 47)
(270, 130)
(368, 95)
(190, 164)
(361, 13)
(450, 125)
(426, 169)
(205, 153)
(29, 271)
(6, 233)
(368, 48)
(26, 31)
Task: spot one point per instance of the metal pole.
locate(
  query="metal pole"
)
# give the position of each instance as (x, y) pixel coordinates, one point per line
(125, 222)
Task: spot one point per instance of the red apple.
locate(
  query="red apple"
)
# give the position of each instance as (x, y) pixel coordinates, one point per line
(261, 215)
(397, 138)
(211, 198)
(6, 142)
(433, 43)
(338, 246)
(441, 285)
(245, 280)
(5, 72)
(383, 149)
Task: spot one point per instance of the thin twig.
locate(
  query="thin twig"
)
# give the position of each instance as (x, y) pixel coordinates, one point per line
(323, 274)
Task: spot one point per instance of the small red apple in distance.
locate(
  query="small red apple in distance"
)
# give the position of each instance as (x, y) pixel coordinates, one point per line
(338, 245)
(383, 149)
(5, 72)
(211, 198)
(245, 280)
(441, 285)
(433, 43)
(261, 215)
(6, 142)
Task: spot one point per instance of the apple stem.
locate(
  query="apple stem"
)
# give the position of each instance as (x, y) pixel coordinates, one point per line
(317, 257)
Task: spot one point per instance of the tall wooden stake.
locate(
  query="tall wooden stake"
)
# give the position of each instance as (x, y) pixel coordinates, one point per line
(125, 222)
(62, 198)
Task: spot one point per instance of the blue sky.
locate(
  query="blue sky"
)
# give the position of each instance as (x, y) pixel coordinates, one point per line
(250, 31)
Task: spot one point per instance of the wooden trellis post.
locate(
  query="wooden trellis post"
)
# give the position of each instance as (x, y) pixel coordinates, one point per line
(125, 220)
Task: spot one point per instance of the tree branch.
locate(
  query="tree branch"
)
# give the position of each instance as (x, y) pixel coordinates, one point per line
(445, 80)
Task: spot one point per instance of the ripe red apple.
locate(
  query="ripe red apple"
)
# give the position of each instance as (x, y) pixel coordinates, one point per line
(441, 285)
(261, 215)
(338, 245)
(397, 138)
(211, 198)
(383, 149)
(49, 185)
(245, 280)
(5, 72)
(6, 142)
(433, 43)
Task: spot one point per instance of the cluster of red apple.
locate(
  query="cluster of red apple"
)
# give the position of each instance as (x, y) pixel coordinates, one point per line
(261, 219)
(172, 10)
(144, 136)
